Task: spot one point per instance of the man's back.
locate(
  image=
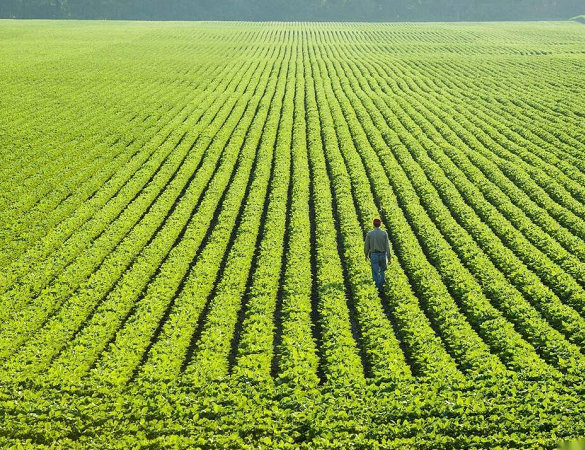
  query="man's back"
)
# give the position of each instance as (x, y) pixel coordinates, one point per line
(377, 250)
(377, 241)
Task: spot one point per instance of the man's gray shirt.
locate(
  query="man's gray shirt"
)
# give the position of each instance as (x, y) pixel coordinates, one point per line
(377, 241)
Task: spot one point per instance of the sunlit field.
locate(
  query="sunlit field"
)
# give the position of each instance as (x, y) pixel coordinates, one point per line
(182, 215)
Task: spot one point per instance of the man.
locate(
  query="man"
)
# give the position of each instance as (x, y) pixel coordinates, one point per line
(377, 250)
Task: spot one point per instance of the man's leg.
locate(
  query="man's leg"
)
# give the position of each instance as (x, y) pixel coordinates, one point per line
(375, 267)
(382, 270)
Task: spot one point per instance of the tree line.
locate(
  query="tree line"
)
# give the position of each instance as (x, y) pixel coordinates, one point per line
(342, 10)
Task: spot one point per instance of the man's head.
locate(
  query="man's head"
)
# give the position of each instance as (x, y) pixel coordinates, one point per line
(377, 222)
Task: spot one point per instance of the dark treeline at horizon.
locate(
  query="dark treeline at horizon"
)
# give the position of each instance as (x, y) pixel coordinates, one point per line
(306, 10)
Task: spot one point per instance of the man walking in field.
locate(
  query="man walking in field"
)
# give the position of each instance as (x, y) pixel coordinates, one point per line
(377, 250)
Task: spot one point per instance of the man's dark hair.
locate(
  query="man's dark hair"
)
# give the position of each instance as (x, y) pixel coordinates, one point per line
(377, 222)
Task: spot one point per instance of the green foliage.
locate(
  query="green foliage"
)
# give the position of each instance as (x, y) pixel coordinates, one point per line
(183, 208)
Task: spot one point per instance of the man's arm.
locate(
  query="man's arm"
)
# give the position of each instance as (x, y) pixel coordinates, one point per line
(388, 254)
(367, 246)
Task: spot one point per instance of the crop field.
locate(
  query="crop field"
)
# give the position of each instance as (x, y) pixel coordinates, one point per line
(182, 215)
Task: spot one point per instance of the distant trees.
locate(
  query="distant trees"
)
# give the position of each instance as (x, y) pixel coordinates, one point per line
(50, 9)
(365, 10)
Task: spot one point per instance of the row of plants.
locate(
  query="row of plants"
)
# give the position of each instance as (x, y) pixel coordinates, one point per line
(296, 363)
(556, 142)
(36, 297)
(213, 292)
(132, 297)
(381, 350)
(412, 326)
(203, 73)
(338, 347)
(144, 248)
(559, 314)
(55, 205)
(505, 413)
(59, 173)
(217, 285)
(420, 183)
(71, 225)
(563, 284)
(115, 192)
(25, 169)
(258, 330)
(134, 228)
(495, 146)
(538, 215)
(548, 247)
(470, 352)
(480, 266)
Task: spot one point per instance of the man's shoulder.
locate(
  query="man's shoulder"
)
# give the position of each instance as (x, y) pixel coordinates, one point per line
(378, 231)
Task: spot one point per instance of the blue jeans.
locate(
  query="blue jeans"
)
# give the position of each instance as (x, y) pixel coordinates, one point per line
(378, 262)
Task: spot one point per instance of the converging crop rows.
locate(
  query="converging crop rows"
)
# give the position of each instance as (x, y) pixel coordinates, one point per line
(185, 205)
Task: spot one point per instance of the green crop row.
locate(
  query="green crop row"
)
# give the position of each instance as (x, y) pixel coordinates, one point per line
(183, 209)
